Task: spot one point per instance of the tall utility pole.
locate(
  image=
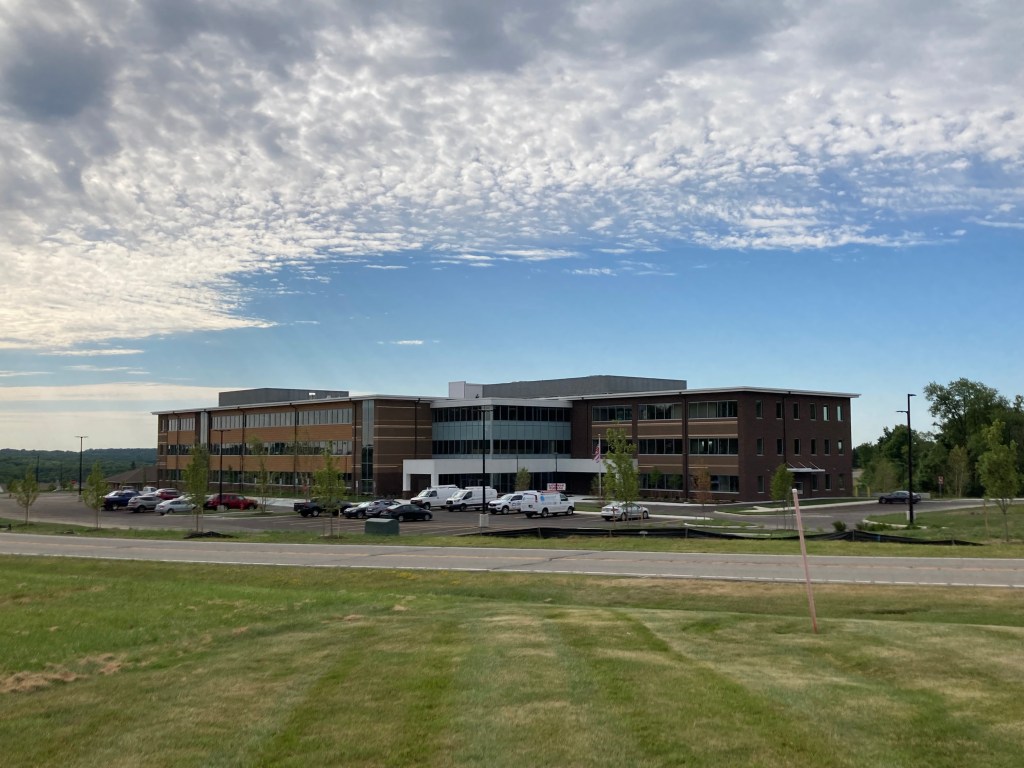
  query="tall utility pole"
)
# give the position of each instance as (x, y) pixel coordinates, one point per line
(910, 464)
(80, 439)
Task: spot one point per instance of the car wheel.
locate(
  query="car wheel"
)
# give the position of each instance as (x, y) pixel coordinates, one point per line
(426, 505)
(529, 515)
(543, 513)
(569, 511)
(462, 508)
(428, 516)
(646, 514)
(401, 518)
(316, 513)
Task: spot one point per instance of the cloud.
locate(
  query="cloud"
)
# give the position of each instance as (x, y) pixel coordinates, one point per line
(593, 272)
(405, 342)
(125, 391)
(12, 374)
(157, 157)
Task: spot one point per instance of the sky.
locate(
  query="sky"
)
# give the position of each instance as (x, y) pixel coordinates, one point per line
(385, 197)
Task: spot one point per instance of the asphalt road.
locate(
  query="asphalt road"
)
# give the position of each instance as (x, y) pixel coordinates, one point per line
(971, 572)
(65, 508)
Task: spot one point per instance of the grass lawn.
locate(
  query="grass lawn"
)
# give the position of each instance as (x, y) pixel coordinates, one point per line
(982, 523)
(125, 664)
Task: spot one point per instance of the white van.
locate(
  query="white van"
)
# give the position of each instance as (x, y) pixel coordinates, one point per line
(545, 503)
(435, 496)
(472, 498)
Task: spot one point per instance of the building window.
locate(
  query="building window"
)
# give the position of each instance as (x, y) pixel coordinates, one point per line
(814, 482)
(760, 483)
(713, 409)
(813, 408)
(840, 448)
(758, 409)
(778, 446)
(828, 447)
(839, 413)
(660, 446)
(714, 446)
(613, 413)
(796, 446)
(660, 411)
(824, 412)
(796, 410)
(842, 482)
(760, 446)
(778, 409)
(814, 447)
(725, 484)
(828, 482)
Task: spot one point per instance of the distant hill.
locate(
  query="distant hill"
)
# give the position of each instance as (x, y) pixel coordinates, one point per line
(61, 467)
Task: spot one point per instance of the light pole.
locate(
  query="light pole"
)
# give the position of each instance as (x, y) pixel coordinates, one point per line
(80, 439)
(910, 464)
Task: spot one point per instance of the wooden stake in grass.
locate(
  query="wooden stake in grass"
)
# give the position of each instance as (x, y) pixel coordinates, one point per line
(803, 554)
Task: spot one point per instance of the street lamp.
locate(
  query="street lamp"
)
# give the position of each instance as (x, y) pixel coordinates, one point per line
(484, 410)
(910, 464)
(80, 439)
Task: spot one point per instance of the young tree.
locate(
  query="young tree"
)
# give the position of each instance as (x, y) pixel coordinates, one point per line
(621, 480)
(522, 479)
(259, 449)
(702, 486)
(94, 490)
(197, 482)
(958, 467)
(654, 479)
(328, 486)
(997, 468)
(782, 486)
(26, 492)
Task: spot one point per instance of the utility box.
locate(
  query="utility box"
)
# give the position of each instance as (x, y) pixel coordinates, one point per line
(381, 526)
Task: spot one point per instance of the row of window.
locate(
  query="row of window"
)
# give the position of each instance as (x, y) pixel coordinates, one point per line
(309, 417)
(812, 411)
(503, 413)
(670, 446)
(176, 424)
(780, 446)
(501, 447)
(302, 448)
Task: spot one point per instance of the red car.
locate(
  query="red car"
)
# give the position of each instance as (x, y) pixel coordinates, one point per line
(168, 493)
(229, 500)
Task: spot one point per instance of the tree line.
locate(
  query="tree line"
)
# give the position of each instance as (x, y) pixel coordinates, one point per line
(973, 424)
(60, 468)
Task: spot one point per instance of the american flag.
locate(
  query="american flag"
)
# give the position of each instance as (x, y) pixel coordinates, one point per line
(597, 452)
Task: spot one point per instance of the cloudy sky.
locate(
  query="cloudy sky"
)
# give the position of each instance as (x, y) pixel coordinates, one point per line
(385, 197)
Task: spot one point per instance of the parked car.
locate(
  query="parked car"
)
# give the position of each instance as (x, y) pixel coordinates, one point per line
(616, 510)
(367, 508)
(229, 500)
(897, 497)
(178, 504)
(119, 499)
(402, 512)
(149, 489)
(503, 505)
(168, 493)
(144, 502)
(314, 507)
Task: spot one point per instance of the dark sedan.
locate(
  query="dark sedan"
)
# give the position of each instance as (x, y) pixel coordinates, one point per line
(402, 512)
(367, 508)
(315, 507)
(897, 497)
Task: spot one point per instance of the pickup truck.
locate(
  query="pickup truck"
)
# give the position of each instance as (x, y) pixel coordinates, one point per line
(314, 507)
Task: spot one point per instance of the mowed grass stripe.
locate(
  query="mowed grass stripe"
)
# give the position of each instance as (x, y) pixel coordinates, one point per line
(178, 665)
